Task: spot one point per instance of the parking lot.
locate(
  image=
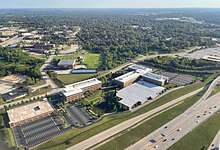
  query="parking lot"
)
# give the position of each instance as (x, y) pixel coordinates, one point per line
(201, 53)
(38, 131)
(177, 79)
(77, 116)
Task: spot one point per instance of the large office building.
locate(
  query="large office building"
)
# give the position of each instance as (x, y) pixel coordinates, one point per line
(139, 85)
(138, 93)
(75, 91)
(130, 77)
(30, 112)
(155, 79)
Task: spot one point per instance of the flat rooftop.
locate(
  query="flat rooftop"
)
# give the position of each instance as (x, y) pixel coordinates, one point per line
(155, 76)
(85, 83)
(139, 67)
(66, 62)
(137, 71)
(78, 87)
(128, 76)
(28, 111)
(138, 92)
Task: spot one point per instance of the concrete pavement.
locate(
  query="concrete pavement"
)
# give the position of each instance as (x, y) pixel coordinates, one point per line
(96, 139)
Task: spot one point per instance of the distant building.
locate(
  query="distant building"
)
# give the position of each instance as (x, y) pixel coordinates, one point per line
(138, 94)
(26, 34)
(14, 94)
(66, 63)
(130, 77)
(155, 79)
(75, 91)
(30, 112)
(43, 46)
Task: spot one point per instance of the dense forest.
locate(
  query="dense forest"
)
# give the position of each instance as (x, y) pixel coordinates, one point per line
(122, 34)
(14, 61)
(182, 64)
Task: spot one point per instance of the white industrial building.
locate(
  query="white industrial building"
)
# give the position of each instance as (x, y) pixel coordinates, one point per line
(155, 78)
(130, 77)
(138, 93)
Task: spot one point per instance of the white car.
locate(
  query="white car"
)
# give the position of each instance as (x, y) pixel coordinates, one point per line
(179, 129)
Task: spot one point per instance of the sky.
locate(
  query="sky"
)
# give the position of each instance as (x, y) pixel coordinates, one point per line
(109, 3)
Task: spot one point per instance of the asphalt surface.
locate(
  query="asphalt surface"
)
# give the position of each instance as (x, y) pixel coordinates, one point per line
(72, 49)
(173, 131)
(215, 145)
(35, 132)
(78, 116)
(96, 139)
(13, 40)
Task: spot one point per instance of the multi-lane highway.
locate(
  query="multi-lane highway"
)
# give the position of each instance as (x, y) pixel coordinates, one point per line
(173, 131)
(96, 139)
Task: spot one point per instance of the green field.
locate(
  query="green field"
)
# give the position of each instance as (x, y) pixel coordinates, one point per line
(96, 96)
(39, 83)
(91, 60)
(77, 135)
(215, 90)
(200, 137)
(71, 78)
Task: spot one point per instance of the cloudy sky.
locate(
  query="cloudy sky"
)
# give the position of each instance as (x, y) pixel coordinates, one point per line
(108, 3)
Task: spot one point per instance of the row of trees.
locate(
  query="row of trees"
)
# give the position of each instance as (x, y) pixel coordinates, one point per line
(14, 61)
(121, 35)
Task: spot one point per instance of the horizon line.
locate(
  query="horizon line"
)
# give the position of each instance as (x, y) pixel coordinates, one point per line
(112, 8)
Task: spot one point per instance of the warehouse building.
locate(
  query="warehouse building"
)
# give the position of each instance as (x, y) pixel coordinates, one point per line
(75, 91)
(155, 79)
(30, 112)
(138, 94)
(131, 77)
(138, 67)
(66, 64)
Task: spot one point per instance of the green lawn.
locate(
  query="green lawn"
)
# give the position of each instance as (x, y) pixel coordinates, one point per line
(201, 136)
(215, 90)
(71, 78)
(39, 83)
(96, 96)
(10, 137)
(91, 60)
(38, 56)
(77, 135)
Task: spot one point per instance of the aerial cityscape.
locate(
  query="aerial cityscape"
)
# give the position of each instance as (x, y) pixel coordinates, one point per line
(109, 75)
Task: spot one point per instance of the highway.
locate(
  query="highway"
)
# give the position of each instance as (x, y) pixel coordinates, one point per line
(173, 131)
(96, 139)
(215, 145)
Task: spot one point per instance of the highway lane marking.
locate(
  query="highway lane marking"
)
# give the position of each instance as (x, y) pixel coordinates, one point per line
(174, 130)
